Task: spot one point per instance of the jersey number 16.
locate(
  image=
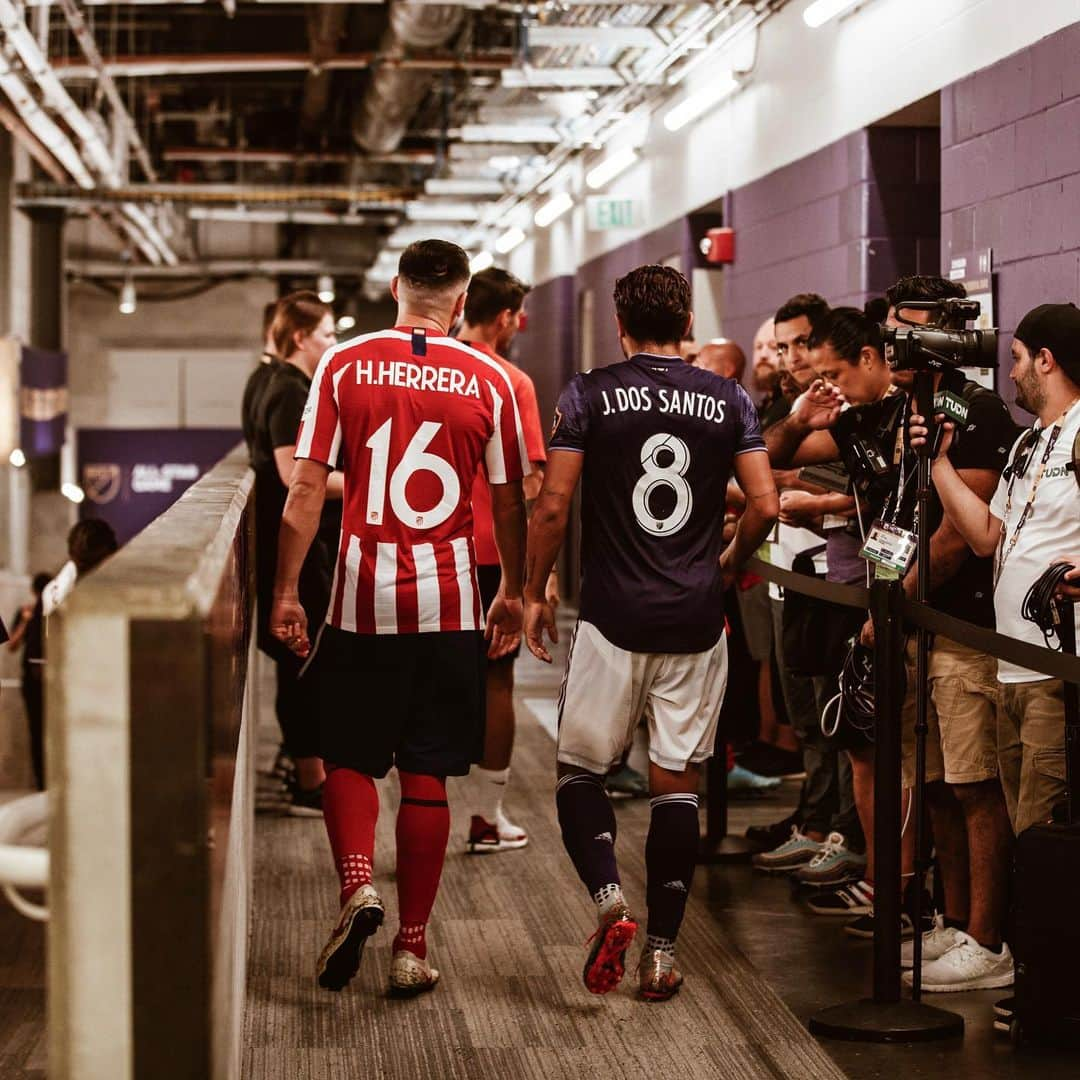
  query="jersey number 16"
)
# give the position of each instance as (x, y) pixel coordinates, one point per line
(415, 459)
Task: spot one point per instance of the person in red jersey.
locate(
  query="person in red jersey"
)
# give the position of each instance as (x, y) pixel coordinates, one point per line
(494, 313)
(401, 655)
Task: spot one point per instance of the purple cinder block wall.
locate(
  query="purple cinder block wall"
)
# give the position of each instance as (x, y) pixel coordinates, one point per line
(845, 222)
(1010, 177)
(599, 275)
(546, 350)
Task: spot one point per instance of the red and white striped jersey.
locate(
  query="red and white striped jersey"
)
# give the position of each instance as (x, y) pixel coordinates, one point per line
(413, 416)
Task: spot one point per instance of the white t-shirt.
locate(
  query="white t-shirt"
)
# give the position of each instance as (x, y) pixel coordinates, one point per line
(59, 589)
(789, 542)
(1051, 532)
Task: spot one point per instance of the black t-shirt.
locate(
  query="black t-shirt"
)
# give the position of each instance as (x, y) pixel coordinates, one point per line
(257, 383)
(277, 414)
(984, 443)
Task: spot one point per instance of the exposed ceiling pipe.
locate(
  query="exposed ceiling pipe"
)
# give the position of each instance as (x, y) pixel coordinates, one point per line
(376, 198)
(90, 50)
(44, 128)
(294, 157)
(167, 66)
(393, 95)
(212, 268)
(326, 28)
(93, 146)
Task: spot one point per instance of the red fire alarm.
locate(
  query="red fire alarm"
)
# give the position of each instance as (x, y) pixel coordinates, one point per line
(718, 246)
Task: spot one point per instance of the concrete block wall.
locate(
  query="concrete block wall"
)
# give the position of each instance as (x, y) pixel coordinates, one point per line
(1010, 177)
(844, 222)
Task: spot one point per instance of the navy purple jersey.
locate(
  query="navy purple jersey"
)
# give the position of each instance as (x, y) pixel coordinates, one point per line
(660, 439)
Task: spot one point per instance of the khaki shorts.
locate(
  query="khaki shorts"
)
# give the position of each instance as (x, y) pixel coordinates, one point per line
(607, 690)
(1031, 737)
(961, 745)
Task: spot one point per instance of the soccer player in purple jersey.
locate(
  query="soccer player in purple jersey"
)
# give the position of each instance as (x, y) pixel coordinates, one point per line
(655, 441)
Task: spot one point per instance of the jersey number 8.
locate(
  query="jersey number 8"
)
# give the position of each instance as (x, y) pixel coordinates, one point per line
(415, 459)
(659, 473)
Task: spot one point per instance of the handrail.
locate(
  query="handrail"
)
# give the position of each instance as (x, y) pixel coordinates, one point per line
(23, 866)
(1022, 653)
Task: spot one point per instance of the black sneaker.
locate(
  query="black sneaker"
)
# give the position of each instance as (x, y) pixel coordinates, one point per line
(770, 837)
(767, 760)
(305, 802)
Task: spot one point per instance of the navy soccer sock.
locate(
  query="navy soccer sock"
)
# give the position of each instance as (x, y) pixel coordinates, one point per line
(670, 857)
(588, 830)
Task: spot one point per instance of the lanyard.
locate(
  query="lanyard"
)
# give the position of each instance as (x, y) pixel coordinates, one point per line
(1004, 551)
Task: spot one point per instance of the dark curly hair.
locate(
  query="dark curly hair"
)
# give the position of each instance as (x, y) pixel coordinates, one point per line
(653, 304)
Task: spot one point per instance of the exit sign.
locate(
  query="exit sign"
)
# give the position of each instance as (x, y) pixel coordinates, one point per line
(603, 212)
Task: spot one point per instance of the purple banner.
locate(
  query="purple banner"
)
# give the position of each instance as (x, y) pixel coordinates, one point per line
(130, 476)
(43, 404)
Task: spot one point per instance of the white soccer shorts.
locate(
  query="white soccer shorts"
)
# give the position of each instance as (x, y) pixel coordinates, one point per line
(607, 690)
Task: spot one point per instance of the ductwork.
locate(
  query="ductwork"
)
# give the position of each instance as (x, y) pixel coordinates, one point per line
(326, 27)
(393, 96)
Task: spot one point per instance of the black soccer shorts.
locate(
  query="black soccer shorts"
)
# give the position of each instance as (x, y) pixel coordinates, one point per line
(414, 701)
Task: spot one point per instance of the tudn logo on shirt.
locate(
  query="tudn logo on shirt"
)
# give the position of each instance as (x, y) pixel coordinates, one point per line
(605, 836)
(678, 886)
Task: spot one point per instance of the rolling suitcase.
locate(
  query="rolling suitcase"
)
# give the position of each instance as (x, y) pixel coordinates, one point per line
(1046, 894)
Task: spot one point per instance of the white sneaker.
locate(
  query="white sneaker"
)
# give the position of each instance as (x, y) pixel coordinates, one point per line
(936, 942)
(510, 835)
(966, 966)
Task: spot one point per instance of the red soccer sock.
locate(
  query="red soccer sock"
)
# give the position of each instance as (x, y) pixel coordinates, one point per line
(350, 809)
(423, 829)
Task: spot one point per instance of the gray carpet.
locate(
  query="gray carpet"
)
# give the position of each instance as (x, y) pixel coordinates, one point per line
(508, 935)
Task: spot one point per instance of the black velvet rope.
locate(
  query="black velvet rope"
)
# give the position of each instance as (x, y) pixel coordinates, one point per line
(1034, 657)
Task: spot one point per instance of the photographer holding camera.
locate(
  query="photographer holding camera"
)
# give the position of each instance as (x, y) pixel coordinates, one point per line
(964, 948)
(1033, 517)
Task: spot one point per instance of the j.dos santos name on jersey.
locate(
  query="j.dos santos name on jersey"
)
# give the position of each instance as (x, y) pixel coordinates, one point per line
(680, 402)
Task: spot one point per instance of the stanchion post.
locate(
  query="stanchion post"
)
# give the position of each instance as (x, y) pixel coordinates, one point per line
(885, 601)
(716, 846)
(886, 1017)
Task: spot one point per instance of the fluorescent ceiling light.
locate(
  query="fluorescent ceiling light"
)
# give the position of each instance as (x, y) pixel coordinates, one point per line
(524, 78)
(505, 162)
(700, 102)
(481, 261)
(509, 240)
(325, 288)
(436, 211)
(629, 37)
(509, 133)
(73, 493)
(346, 322)
(127, 297)
(17, 458)
(821, 11)
(554, 208)
(465, 185)
(611, 166)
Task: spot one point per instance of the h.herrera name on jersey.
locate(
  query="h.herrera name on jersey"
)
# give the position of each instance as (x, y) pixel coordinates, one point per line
(670, 402)
(410, 376)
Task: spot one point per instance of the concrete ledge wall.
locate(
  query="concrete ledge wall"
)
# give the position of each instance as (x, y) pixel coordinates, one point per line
(150, 775)
(1010, 177)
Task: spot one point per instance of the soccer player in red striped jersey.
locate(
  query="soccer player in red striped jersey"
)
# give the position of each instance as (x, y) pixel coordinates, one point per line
(399, 663)
(494, 313)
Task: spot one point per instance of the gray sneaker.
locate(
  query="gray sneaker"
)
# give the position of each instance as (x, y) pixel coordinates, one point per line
(409, 975)
(361, 915)
(794, 852)
(834, 864)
